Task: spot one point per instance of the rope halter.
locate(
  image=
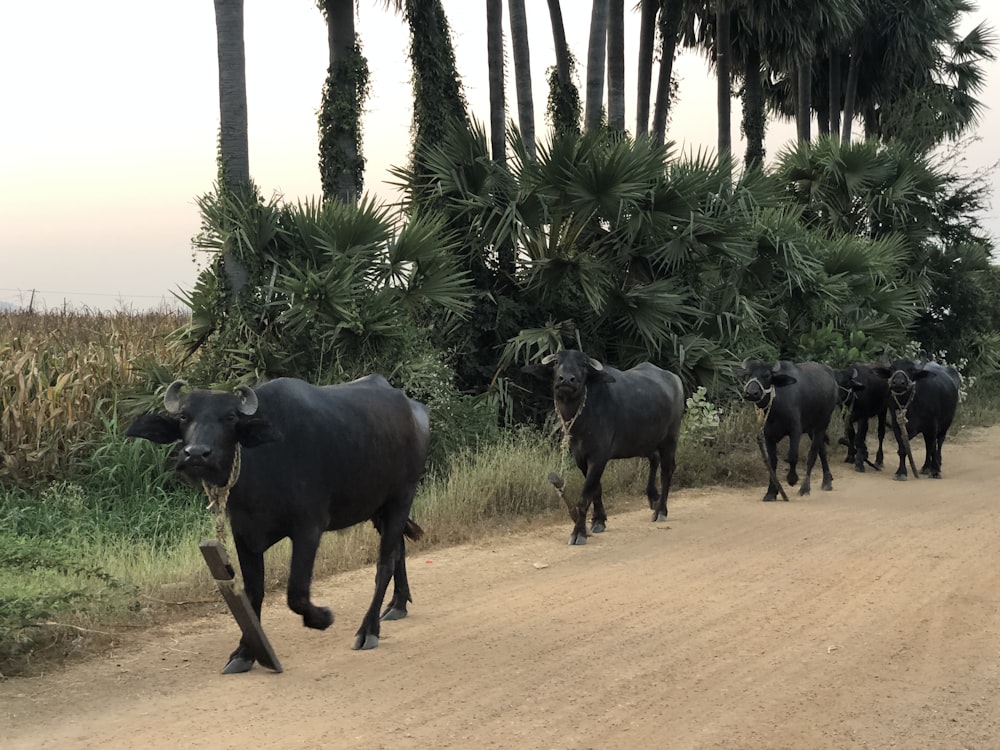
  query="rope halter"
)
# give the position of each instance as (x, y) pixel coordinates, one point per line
(567, 425)
(762, 411)
(910, 392)
(218, 495)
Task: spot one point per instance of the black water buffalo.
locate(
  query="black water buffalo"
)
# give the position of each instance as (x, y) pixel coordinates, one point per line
(927, 395)
(796, 399)
(311, 459)
(863, 394)
(608, 414)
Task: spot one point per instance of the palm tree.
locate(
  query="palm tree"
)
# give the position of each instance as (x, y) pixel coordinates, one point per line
(616, 65)
(233, 140)
(495, 56)
(341, 161)
(596, 47)
(671, 12)
(522, 74)
(564, 97)
(723, 73)
(234, 147)
(644, 76)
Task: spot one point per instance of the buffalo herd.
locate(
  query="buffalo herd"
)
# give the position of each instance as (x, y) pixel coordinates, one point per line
(296, 460)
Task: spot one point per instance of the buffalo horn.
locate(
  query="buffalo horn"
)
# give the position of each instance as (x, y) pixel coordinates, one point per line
(248, 399)
(548, 359)
(596, 365)
(172, 396)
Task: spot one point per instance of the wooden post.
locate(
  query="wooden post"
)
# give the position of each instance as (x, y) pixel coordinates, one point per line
(222, 571)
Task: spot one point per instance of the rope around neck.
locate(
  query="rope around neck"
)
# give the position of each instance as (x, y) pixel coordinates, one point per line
(218, 496)
(764, 412)
(568, 425)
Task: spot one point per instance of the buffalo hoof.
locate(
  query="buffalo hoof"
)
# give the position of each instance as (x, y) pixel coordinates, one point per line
(365, 642)
(659, 515)
(827, 485)
(238, 665)
(598, 527)
(792, 478)
(934, 475)
(769, 498)
(804, 490)
(318, 618)
(393, 613)
(860, 468)
(577, 539)
(899, 477)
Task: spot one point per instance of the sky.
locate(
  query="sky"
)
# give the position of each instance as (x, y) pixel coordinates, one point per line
(109, 116)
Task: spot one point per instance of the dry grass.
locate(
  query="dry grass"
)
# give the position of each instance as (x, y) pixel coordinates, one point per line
(61, 375)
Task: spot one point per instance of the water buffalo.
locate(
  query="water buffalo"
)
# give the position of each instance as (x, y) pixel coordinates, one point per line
(863, 394)
(795, 399)
(609, 413)
(925, 394)
(310, 459)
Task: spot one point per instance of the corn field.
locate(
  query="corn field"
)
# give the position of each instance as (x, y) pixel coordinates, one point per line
(62, 375)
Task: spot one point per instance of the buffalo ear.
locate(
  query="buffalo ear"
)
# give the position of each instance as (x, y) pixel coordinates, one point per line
(780, 379)
(921, 374)
(542, 372)
(599, 376)
(256, 431)
(882, 372)
(156, 428)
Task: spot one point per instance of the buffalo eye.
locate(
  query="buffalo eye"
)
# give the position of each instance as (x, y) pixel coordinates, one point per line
(231, 418)
(183, 418)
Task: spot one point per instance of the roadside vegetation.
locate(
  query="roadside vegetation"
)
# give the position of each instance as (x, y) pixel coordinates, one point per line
(835, 254)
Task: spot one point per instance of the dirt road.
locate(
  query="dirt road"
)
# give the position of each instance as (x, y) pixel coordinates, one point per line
(866, 617)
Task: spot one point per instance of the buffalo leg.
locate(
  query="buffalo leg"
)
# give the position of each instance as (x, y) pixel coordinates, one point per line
(880, 456)
(900, 475)
(392, 526)
(652, 494)
(668, 463)
(793, 457)
(825, 462)
(590, 494)
(861, 445)
(401, 587)
(806, 487)
(772, 460)
(851, 440)
(300, 580)
(252, 570)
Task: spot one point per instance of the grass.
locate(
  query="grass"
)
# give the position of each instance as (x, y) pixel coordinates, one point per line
(95, 536)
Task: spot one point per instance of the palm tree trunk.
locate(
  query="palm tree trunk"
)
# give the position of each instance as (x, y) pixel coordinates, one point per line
(341, 165)
(522, 74)
(851, 93)
(754, 119)
(566, 102)
(595, 65)
(723, 68)
(233, 140)
(616, 66)
(494, 54)
(803, 103)
(835, 60)
(822, 100)
(669, 27)
(644, 75)
(234, 147)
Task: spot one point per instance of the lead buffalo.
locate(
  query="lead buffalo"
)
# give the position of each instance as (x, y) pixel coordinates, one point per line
(307, 459)
(794, 399)
(925, 394)
(863, 394)
(609, 413)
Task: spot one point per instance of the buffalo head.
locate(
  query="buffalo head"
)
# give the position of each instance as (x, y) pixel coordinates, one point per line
(760, 380)
(902, 374)
(569, 371)
(209, 425)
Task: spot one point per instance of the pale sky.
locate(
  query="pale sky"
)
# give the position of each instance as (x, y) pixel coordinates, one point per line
(110, 115)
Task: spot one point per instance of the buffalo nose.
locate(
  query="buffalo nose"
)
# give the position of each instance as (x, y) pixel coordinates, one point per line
(197, 451)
